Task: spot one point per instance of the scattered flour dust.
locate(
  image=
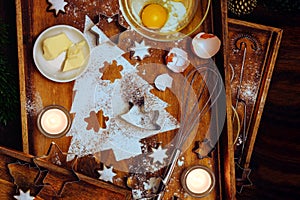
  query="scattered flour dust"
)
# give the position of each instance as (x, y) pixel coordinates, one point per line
(249, 92)
(119, 136)
(34, 104)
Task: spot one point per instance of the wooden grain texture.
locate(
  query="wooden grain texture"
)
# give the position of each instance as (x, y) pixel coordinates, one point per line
(38, 92)
(275, 173)
(22, 76)
(257, 71)
(253, 51)
(226, 151)
(46, 180)
(275, 160)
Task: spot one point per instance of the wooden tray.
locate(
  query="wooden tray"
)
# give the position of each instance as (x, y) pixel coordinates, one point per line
(20, 171)
(37, 92)
(252, 51)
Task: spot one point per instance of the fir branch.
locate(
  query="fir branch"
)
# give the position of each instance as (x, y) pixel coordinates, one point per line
(9, 96)
(3, 33)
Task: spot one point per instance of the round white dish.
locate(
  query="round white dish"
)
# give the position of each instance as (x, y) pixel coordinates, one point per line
(52, 69)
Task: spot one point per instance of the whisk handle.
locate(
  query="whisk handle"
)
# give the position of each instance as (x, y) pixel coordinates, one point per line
(169, 173)
(171, 168)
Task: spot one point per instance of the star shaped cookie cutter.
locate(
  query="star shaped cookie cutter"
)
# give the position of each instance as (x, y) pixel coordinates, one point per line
(55, 162)
(203, 149)
(242, 178)
(24, 176)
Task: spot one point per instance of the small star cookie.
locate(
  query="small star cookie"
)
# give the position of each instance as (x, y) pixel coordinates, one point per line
(140, 50)
(57, 5)
(107, 174)
(24, 195)
(158, 155)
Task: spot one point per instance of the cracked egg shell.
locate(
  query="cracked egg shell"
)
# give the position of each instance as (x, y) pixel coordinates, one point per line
(163, 81)
(206, 45)
(177, 60)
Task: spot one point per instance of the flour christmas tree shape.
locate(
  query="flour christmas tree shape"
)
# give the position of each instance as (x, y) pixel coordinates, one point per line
(119, 136)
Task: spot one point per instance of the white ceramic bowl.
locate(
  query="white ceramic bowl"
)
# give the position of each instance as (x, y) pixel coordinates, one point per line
(52, 69)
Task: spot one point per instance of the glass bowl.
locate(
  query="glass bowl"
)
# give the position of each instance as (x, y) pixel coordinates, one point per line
(179, 24)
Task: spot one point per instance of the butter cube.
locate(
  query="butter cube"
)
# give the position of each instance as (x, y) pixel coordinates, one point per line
(75, 49)
(55, 45)
(75, 57)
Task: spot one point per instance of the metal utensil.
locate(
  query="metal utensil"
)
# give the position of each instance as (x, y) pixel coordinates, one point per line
(205, 84)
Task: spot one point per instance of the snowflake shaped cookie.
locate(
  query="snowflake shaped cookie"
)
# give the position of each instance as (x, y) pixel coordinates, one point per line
(158, 155)
(107, 174)
(57, 5)
(140, 50)
(24, 195)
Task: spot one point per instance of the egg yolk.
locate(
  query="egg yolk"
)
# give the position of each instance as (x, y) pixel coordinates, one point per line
(154, 16)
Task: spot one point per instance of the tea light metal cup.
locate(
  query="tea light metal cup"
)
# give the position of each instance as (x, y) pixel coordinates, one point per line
(54, 121)
(198, 181)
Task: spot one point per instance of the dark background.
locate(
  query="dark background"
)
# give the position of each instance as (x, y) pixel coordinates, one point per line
(276, 158)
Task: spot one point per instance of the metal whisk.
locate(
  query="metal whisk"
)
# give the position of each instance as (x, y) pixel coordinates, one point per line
(201, 91)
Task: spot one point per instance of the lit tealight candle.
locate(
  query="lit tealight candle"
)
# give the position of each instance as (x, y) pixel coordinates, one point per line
(54, 121)
(198, 181)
